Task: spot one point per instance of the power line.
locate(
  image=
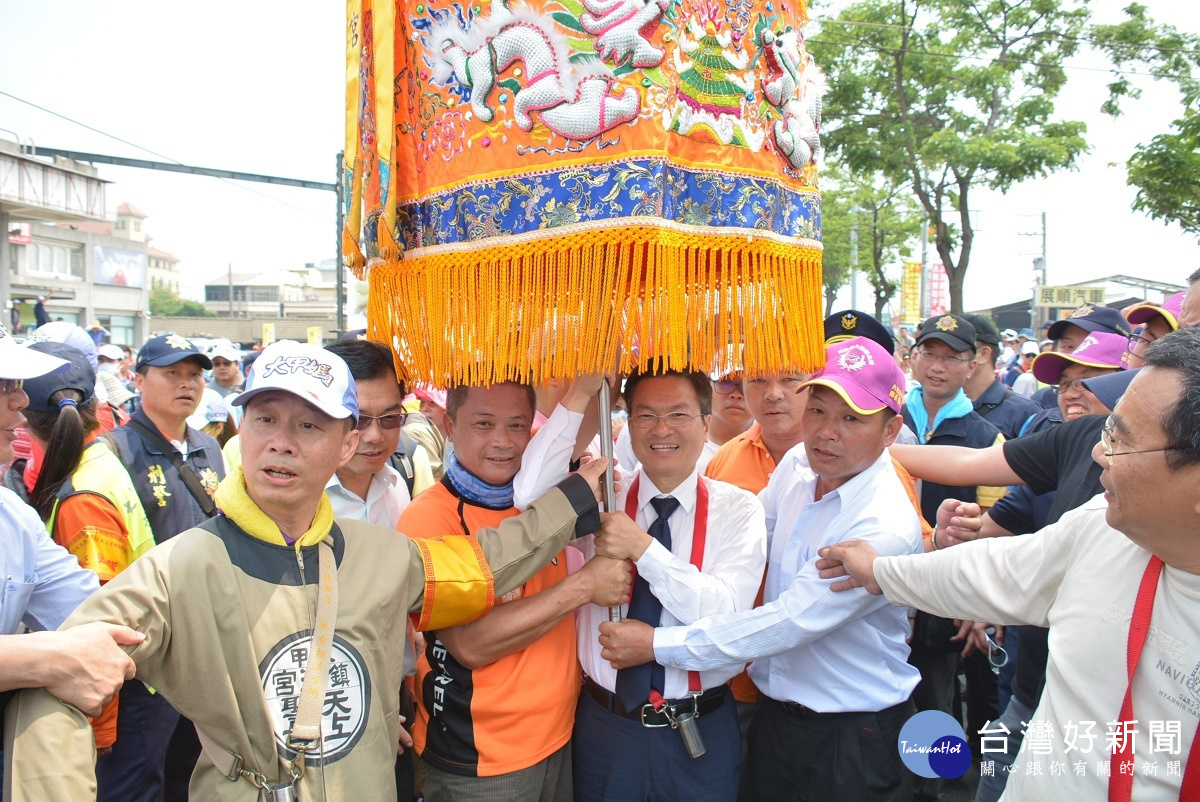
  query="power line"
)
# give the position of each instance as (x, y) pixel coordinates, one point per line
(1080, 39)
(153, 152)
(981, 59)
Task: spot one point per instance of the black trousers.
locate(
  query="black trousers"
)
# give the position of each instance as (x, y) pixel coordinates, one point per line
(798, 755)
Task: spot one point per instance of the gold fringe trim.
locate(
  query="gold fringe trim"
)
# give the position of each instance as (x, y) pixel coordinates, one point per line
(389, 249)
(586, 302)
(352, 255)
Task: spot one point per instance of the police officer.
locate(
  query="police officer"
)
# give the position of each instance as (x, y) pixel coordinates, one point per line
(175, 470)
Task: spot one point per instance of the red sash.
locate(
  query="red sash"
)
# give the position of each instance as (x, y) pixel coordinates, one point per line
(1120, 784)
(699, 535)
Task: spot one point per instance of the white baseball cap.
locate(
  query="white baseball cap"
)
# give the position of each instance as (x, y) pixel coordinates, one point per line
(307, 371)
(110, 351)
(24, 363)
(226, 352)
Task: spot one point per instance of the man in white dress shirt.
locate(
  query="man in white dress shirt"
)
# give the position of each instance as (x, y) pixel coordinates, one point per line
(832, 671)
(624, 746)
(368, 488)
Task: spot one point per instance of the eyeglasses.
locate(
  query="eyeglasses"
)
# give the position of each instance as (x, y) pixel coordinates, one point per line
(10, 386)
(648, 420)
(1135, 341)
(948, 361)
(1069, 385)
(727, 386)
(1107, 440)
(221, 363)
(392, 421)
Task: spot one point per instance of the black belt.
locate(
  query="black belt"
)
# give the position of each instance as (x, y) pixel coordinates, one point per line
(800, 711)
(705, 703)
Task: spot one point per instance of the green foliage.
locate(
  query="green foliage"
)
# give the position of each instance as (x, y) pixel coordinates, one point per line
(946, 95)
(1166, 170)
(165, 303)
(835, 237)
(888, 221)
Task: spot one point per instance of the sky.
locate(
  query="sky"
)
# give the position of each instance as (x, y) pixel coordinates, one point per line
(258, 87)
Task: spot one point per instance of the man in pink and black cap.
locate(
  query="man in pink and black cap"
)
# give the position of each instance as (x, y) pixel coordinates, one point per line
(1097, 354)
(826, 669)
(1152, 322)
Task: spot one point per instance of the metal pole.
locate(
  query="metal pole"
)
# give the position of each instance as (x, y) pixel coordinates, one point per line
(230, 274)
(854, 262)
(5, 265)
(606, 450)
(341, 279)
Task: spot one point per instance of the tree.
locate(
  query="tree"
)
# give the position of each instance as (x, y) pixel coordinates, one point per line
(887, 221)
(165, 303)
(1166, 170)
(835, 237)
(949, 95)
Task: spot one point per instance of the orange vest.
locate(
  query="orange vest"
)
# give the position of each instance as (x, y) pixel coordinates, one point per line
(510, 714)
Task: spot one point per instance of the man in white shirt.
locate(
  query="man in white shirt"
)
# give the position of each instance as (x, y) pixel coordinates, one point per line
(1118, 581)
(624, 748)
(832, 671)
(368, 488)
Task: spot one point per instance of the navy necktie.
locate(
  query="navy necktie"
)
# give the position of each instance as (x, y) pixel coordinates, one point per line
(634, 684)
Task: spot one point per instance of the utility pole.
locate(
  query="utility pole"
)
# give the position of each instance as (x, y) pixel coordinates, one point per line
(855, 210)
(1039, 268)
(231, 290)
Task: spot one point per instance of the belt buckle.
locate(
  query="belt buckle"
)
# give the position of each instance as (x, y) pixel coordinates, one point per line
(648, 725)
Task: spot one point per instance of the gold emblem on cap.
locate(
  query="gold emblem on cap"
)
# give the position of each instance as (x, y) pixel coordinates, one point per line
(849, 322)
(947, 323)
(1083, 311)
(175, 341)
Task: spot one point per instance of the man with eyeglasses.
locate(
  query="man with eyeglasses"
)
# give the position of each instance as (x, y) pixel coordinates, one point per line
(1155, 322)
(731, 414)
(368, 487)
(624, 747)
(226, 370)
(1121, 567)
(832, 672)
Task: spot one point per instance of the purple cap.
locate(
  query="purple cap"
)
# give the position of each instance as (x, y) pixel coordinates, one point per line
(1098, 350)
(864, 374)
(1142, 314)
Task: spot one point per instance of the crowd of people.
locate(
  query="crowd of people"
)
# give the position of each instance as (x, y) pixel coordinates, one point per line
(301, 578)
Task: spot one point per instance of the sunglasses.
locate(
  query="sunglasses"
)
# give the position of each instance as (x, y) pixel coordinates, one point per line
(392, 421)
(10, 386)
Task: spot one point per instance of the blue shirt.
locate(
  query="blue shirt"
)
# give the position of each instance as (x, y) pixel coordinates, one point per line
(831, 652)
(43, 583)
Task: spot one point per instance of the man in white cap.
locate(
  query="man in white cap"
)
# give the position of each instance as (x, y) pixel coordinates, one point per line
(43, 582)
(226, 370)
(229, 616)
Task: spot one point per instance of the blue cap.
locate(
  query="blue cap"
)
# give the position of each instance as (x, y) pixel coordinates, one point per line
(1109, 388)
(1092, 318)
(852, 323)
(169, 349)
(1027, 334)
(78, 377)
